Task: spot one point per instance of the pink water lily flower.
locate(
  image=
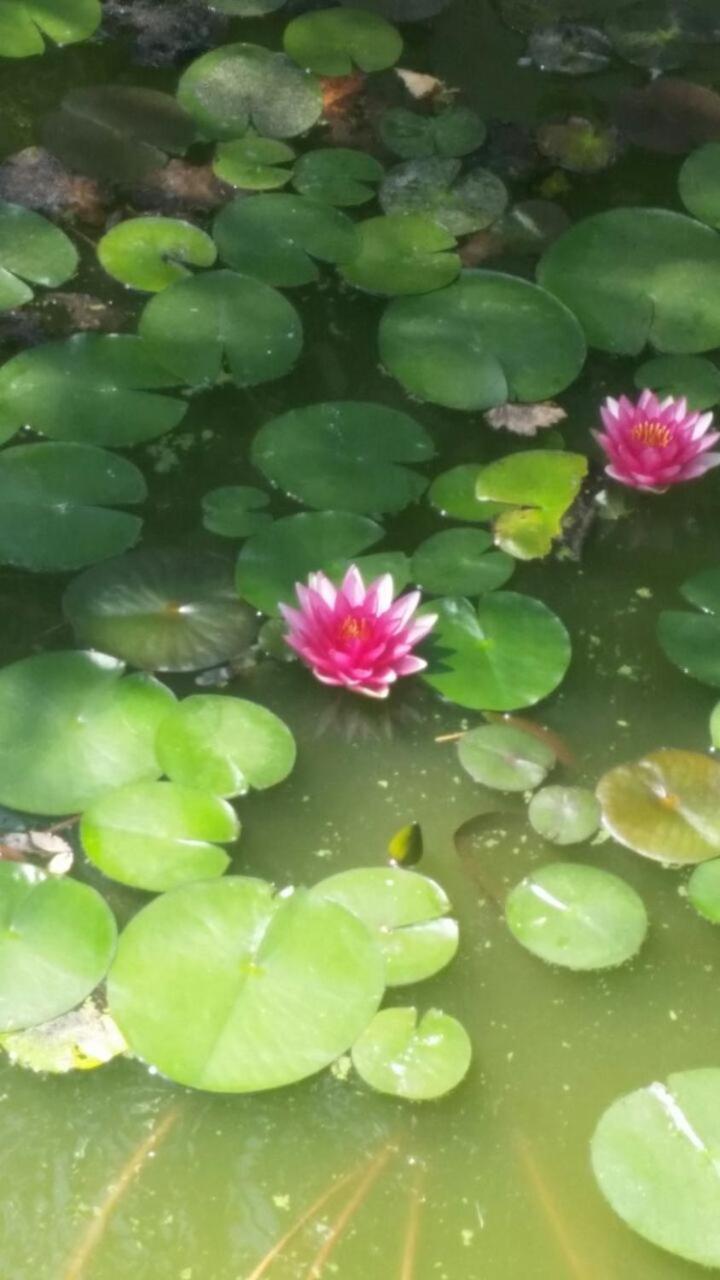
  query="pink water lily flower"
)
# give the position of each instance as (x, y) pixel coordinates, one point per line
(654, 444)
(356, 636)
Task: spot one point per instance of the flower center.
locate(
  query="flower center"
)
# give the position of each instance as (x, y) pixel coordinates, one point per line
(654, 434)
(354, 629)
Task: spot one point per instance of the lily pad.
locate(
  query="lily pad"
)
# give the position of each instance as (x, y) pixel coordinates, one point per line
(703, 890)
(407, 914)
(454, 495)
(455, 131)
(92, 388)
(486, 339)
(224, 745)
(570, 49)
(237, 85)
(253, 163)
(161, 610)
(274, 559)
(539, 486)
(247, 8)
(460, 561)
(151, 253)
(332, 42)
(665, 806)
(650, 34)
(158, 835)
(565, 815)
(436, 187)
(652, 1155)
(337, 175)
(26, 24)
(692, 640)
(578, 144)
(403, 10)
(401, 253)
(504, 758)
(694, 377)
(235, 511)
(410, 1058)
(198, 327)
(699, 184)
(277, 237)
(348, 452)
(58, 938)
(227, 987)
(577, 916)
(639, 276)
(510, 652)
(31, 249)
(117, 132)
(55, 506)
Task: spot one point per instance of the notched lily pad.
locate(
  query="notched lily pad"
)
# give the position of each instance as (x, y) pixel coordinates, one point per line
(692, 640)
(277, 237)
(253, 163)
(454, 131)
(665, 806)
(538, 487)
(332, 42)
(337, 175)
(460, 561)
(401, 253)
(564, 815)
(151, 253)
(237, 85)
(454, 494)
(694, 377)
(32, 251)
(25, 25)
(235, 511)
(117, 132)
(437, 188)
(224, 745)
(504, 758)
(413, 1058)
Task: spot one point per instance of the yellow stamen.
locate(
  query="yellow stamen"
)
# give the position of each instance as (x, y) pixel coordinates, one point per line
(354, 628)
(654, 434)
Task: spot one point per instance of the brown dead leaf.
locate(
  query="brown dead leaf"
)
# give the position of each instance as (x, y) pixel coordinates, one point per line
(669, 115)
(339, 93)
(480, 247)
(419, 86)
(525, 419)
(39, 181)
(180, 187)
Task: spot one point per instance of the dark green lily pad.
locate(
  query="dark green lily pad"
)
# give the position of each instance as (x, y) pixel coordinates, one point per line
(151, 253)
(665, 806)
(410, 1058)
(161, 610)
(337, 175)
(511, 652)
(247, 8)
(455, 131)
(277, 237)
(26, 24)
(578, 144)
(58, 938)
(31, 249)
(699, 184)
(565, 815)
(253, 163)
(235, 511)
(200, 326)
(692, 640)
(224, 745)
(650, 34)
(436, 187)
(158, 835)
(403, 10)
(332, 42)
(230, 88)
(694, 377)
(454, 495)
(569, 49)
(460, 561)
(487, 339)
(350, 453)
(228, 987)
(85, 725)
(117, 132)
(704, 890)
(538, 487)
(504, 758)
(401, 253)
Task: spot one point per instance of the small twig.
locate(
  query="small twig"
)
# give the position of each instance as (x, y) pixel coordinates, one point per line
(451, 737)
(266, 1261)
(412, 1230)
(63, 825)
(358, 1197)
(8, 854)
(575, 1264)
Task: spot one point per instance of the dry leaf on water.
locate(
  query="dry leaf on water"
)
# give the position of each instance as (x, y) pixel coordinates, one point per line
(525, 419)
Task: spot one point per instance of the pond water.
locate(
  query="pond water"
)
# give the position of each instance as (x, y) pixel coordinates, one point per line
(118, 1172)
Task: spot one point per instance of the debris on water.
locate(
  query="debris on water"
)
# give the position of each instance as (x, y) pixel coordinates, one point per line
(180, 187)
(36, 179)
(165, 35)
(405, 848)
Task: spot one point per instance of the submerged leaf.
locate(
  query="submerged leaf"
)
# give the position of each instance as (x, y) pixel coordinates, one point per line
(117, 132)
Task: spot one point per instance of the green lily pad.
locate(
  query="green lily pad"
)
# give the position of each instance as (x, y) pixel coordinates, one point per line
(227, 987)
(348, 452)
(436, 187)
(253, 163)
(665, 806)
(151, 253)
(275, 558)
(235, 511)
(92, 388)
(486, 339)
(650, 34)
(455, 131)
(699, 184)
(639, 276)
(510, 652)
(504, 758)
(332, 42)
(224, 745)
(405, 911)
(454, 495)
(692, 640)
(58, 938)
(201, 325)
(576, 916)
(460, 561)
(31, 249)
(337, 175)
(539, 486)
(73, 726)
(26, 24)
(161, 610)
(407, 1058)
(117, 132)
(565, 815)
(703, 890)
(569, 49)
(237, 85)
(401, 253)
(55, 502)
(653, 1157)
(396, 563)
(158, 835)
(277, 237)
(694, 377)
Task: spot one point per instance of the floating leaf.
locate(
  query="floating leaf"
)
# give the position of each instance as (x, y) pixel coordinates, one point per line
(81, 1040)
(276, 237)
(403, 10)
(198, 326)
(638, 276)
(525, 419)
(576, 916)
(652, 1155)
(511, 652)
(401, 253)
(158, 835)
(539, 486)
(247, 8)
(650, 34)
(83, 726)
(151, 253)
(699, 184)
(227, 987)
(694, 377)
(454, 494)
(504, 758)
(91, 388)
(405, 911)
(569, 49)
(25, 24)
(31, 249)
(253, 163)
(224, 745)
(692, 640)
(565, 815)
(460, 561)
(230, 88)
(703, 890)
(332, 42)
(161, 610)
(117, 132)
(235, 511)
(337, 175)
(578, 144)
(665, 806)
(458, 202)
(348, 452)
(669, 115)
(486, 339)
(407, 1058)
(405, 848)
(454, 131)
(54, 506)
